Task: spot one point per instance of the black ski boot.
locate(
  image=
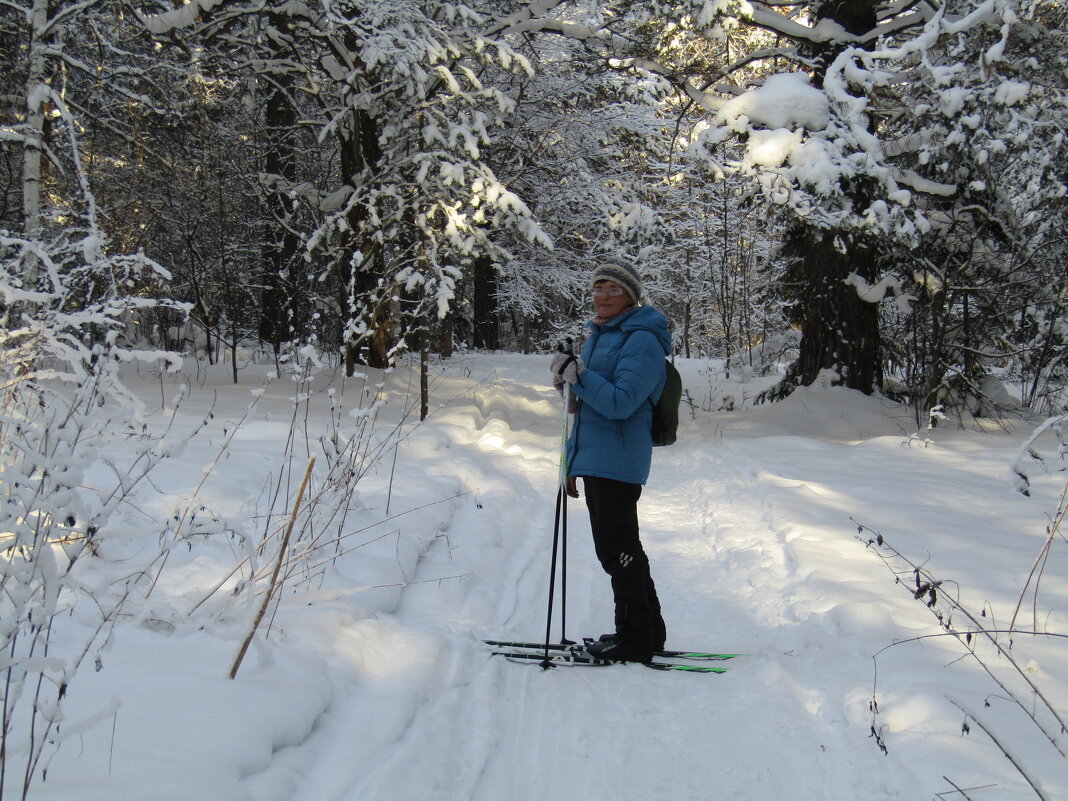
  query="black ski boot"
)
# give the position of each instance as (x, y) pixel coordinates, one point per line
(619, 649)
(661, 636)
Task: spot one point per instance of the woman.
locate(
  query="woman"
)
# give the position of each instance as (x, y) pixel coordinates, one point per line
(617, 379)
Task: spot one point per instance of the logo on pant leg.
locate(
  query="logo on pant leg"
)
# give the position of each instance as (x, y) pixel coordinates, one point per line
(625, 559)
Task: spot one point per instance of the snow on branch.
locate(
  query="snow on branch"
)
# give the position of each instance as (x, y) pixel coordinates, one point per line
(874, 293)
(167, 21)
(572, 30)
(896, 25)
(827, 31)
(924, 185)
(1028, 451)
(534, 19)
(787, 100)
(534, 10)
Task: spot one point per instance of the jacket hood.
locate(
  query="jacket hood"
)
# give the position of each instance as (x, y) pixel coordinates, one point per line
(641, 318)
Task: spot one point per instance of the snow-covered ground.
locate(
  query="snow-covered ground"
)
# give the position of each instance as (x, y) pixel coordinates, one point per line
(369, 681)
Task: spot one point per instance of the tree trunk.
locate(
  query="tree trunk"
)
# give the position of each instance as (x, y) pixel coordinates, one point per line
(687, 311)
(34, 129)
(839, 331)
(424, 381)
(361, 295)
(447, 344)
(486, 322)
(234, 340)
(281, 240)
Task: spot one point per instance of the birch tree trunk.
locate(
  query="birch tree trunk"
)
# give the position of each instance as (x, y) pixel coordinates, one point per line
(37, 90)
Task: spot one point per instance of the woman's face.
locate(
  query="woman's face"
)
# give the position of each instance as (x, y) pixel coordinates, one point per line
(610, 299)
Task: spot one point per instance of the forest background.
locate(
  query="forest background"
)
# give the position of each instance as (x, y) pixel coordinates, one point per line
(353, 181)
(886, 178)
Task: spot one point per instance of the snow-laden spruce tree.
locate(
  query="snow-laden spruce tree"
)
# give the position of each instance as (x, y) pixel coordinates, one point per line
(912, 148)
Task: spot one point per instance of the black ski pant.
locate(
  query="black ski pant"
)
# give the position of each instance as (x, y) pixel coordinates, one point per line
(613, 507)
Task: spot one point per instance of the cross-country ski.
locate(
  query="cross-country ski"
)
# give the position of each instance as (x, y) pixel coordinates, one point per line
(577, 647)
(583, 659)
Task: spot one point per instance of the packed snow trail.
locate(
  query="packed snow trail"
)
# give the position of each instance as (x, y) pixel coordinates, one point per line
(372, 683)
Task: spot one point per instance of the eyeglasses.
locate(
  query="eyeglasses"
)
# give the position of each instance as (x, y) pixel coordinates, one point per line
(610, 291)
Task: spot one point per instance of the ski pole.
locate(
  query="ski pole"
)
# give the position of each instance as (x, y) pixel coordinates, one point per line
(569, 347)
(561, 514)
(546, 662)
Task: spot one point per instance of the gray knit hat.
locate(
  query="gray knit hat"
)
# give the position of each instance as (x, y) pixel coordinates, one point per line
(622, 273)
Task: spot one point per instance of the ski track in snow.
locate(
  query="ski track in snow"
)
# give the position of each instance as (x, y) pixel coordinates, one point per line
(724, 559)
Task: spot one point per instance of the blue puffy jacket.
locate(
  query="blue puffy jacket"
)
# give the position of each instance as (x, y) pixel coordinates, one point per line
(624, 377)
